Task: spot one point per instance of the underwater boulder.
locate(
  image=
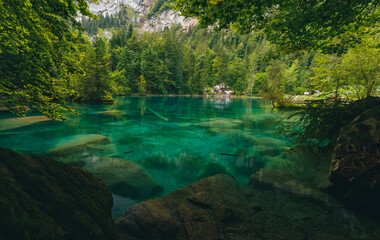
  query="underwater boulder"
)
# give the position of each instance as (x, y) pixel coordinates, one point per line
(283, 181)
(355, 165)
(218, 208)
(220, 123)
(124, 177)
(13, 123)
(82, 144)
(193, 212)
(41, 198)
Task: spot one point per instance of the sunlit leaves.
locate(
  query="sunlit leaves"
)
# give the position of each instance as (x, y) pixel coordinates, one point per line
(36, 43)
(332, 26)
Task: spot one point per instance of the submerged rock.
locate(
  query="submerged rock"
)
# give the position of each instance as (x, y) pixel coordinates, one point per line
(275, 179)
(81, 144)
(13, 123)
(309, 162)
(111, 112)
(220, 123)
(124, 177)
(192, 212)
(355, 165)
(218, 208)
(44, 199)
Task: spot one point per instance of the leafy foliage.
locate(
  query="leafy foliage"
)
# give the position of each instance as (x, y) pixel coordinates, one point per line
(332, 25)
(95, 83)
(324, 120)
(36, 47)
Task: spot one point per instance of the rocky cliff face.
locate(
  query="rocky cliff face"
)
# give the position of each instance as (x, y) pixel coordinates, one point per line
(111, 7)
(141, 8)
(167, 19)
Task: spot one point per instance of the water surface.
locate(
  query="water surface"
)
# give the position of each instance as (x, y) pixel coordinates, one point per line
(177, 140)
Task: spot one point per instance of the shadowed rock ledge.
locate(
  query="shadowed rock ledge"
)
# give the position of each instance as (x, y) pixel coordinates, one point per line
(44, 199)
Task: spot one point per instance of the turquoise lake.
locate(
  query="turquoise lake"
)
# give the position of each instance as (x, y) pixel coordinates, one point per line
(177, 140)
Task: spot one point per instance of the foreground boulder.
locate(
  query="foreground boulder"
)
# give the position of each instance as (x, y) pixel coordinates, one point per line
(124, 177)
(218, 208)
(44, 199)
(355, 165)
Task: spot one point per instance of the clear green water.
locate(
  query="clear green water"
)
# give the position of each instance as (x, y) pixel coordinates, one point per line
(173, 138)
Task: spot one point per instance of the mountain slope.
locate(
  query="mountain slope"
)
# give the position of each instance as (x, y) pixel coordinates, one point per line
(148, 15)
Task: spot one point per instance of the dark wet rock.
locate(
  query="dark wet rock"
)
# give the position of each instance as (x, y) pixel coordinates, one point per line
(279, 180)
(44, 199)
(355, 165)
(218, 208)
(124, 177)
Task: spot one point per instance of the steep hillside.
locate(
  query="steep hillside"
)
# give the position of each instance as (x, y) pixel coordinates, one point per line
(148, 15)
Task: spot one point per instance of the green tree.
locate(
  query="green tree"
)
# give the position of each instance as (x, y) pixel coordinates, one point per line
(95, 84)
(37, 43)
(151, 69)
(361, 68)
(275, 87)
(127, 65)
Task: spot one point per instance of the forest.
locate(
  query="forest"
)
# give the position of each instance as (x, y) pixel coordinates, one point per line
(110, 130)
(122, 60)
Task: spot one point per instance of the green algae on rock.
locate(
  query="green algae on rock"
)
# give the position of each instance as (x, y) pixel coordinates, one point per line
(124, 177)
(44, 199)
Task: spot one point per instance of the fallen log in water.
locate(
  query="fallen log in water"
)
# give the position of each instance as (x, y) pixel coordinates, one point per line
(157, 114)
